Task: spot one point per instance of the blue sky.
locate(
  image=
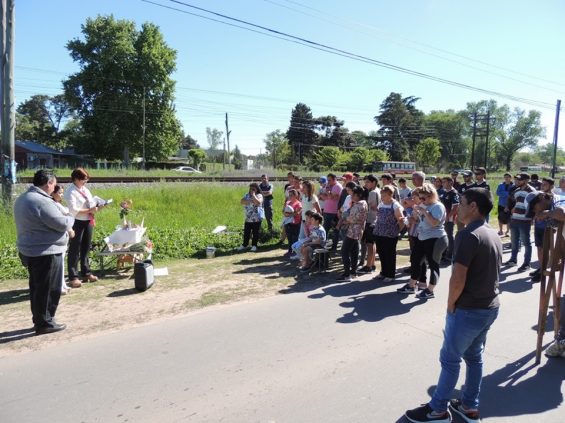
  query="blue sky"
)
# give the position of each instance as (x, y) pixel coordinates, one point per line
(511, 47)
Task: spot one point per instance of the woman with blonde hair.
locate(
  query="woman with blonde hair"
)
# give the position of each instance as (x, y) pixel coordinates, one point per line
(430, 243)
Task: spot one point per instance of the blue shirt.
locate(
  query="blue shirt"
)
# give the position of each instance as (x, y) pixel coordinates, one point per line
(503, 191)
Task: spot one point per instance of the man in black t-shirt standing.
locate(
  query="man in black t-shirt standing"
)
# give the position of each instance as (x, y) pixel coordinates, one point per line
(472, 307)
(267, 191)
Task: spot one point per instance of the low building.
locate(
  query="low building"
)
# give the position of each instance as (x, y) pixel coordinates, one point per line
(32, 155)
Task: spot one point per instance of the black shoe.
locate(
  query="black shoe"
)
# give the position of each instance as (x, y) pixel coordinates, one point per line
(468, 416)
(536, 278)
(366, 269)
(426, 414)
(50, 329)
(344, 278)
(535, 272)
(523, 267)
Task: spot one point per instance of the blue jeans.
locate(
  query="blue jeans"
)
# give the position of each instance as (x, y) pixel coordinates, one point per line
(464, 337)
(520, 234)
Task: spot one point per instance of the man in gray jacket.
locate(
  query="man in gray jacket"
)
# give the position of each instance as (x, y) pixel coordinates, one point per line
(42, 236)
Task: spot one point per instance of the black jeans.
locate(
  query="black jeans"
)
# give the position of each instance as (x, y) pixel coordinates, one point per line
(426, 249)
(449, 226)
(350, 255)
(330, 220)
(45, 274)
(386, 247)
(251, 229)
(79, 247)
(423, 266)
(292, 231)
(268, 207)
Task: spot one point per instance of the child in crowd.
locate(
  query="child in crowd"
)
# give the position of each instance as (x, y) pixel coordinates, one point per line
(315, 239)
(307, 227)
(57, 196)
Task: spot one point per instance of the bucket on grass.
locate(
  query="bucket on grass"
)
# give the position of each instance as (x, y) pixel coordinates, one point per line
(210, 252)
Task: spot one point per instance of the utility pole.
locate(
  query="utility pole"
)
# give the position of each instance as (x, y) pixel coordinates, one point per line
(555, 136)
(143, 137)
(486, 140)
(474, 135)
(228, 132)
(8, 107)
(481, 129)
(224, 161)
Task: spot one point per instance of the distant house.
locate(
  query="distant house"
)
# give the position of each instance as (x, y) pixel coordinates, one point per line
(32, 155)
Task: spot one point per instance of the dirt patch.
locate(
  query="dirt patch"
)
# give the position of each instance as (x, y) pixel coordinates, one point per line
(112, 303)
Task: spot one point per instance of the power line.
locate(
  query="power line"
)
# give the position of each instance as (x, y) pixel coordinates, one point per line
(395, 37)
(339, 52)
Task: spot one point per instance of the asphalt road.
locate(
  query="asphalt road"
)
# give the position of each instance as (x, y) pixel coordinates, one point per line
(355, 352)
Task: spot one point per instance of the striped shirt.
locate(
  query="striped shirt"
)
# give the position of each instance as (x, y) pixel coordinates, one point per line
(520, 195)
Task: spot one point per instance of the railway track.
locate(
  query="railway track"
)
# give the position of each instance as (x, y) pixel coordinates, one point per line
(152, 179)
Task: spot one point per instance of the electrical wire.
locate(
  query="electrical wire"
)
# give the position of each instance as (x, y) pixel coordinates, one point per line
(340, 52)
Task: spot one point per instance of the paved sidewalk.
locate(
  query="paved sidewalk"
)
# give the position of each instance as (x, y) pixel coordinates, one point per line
(354, 352)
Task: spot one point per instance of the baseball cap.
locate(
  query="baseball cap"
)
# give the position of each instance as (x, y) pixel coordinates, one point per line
(467, 173)
(348, 175)
(522, 176)
(323, 180)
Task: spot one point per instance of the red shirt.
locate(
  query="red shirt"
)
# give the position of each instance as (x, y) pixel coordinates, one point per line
(297, 206)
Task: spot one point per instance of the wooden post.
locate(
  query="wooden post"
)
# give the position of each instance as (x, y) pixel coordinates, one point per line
(552, 258)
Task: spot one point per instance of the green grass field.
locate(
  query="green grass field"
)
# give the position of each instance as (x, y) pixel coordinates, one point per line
(179, 218)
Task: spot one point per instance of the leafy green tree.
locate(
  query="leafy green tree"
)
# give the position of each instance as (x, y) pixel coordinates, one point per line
(428, 152)
(278, 149)
(121, 70)
(301, 133)
(198, 156)
(545, 154)
(359, 159)
(521, 130)
(214, 138)
(400, 126)
(327, 158)
(361, 139)
(378, 155)
(189, 143)
(41, 118)
(451, 129)
(237, 158)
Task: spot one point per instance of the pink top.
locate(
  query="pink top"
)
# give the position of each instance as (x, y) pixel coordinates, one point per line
(330, 204)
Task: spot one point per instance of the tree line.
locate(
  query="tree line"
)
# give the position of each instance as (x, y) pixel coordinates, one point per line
(440, 139)
(120, 103)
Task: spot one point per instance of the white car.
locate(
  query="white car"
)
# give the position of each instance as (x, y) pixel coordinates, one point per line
(186, 169)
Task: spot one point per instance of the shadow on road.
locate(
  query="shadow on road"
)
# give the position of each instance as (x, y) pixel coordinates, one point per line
(375, 307)
(511, 391)
(516, 286)
(14, 296)
(16, 335)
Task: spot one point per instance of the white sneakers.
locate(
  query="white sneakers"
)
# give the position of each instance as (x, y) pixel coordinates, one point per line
(242, 248)
(557, 349)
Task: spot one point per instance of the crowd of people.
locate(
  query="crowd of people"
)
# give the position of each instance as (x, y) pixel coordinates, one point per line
(365, 217)
(368, 216)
